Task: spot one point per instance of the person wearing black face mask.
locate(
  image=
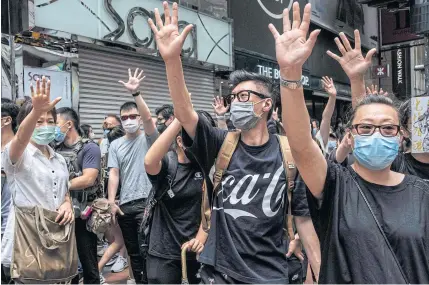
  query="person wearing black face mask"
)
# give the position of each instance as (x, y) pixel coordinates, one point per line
(164, 117)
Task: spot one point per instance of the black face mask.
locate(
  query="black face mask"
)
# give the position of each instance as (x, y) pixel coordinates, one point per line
(161, 128)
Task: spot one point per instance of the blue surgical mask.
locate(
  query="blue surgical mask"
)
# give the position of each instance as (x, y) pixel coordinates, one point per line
(243, 116)
(375, 152)
(331, 145)
(59, 135)
(43, 135)
(105, 132)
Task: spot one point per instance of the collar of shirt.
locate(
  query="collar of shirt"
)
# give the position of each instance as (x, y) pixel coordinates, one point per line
(33, 150)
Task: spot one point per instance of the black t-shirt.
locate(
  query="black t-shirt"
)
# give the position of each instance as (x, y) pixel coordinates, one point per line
(349, 160)
(353, 249)
(245, 240)
(407, 164)
(176, 219)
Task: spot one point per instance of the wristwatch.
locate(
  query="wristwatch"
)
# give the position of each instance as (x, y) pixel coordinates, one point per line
(290, 84)
(136, 94)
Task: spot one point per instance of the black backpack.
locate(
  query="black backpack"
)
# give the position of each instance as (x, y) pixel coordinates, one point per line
(155, 196)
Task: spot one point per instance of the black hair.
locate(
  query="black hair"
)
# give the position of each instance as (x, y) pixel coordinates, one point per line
(6, 100)
(207, 116)
(9, 109)
(71, 115)
(116, 133)
(265, 84)
(405, 111)
(317, 123)
(373, 99)
(166, 111)
(26, 109)
(85, 130)
(116, 117)
(128, 106)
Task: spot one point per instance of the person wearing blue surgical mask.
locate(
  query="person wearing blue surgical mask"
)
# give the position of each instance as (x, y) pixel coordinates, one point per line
(37, 176)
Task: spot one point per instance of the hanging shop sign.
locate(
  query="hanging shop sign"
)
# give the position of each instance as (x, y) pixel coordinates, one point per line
(126, 22)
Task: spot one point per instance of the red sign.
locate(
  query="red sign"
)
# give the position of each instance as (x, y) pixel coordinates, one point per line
(380, 71)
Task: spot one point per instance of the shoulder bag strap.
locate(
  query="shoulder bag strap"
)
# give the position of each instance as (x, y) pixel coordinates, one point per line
(224, 156)
(290, 170)
(173, 164)
(381, 230)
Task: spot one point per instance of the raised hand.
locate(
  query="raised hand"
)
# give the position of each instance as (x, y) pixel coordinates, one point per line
(133, 83)
(292, 47)
(329, 86)
(219, 107)
(167, 36)
(374, 91)
(352, 60)
(275, 115)
(40, 98)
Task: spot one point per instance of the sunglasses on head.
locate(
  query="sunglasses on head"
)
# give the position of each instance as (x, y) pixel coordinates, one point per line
(131, 117)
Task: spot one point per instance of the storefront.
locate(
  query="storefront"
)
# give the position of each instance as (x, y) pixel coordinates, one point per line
(111, 37)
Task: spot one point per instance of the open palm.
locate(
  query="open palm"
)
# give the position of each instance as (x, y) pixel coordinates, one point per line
(352, 60)
(41, 98)
(168, 38)
(219, 106)
(292, 47)
(133, 83)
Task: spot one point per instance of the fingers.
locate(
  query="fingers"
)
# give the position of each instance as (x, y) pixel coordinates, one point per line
(158, 19)
(296, 16)
(120, 212)
(186, 32)
(368, 91)
(300, 256)
(286, 20)
(55, 102)
(175, 18)
(333, 55)
(184, 245)
(48, 89)
(60, 215)
(200, 248)
(289, 253)
(312, 39)
(166, 13)
(340, 46)
(357, 40)
(135, 72)
(140, 74)
(345, 41)
(274, 31)
(331, 80)
(129, 73)
(277, 110)
(141, 79)
(38, 86)
(43, 85)
(370, 54)
(123, 83)
(195, 245)
(152, 26)
(305, 25)
(32, 90)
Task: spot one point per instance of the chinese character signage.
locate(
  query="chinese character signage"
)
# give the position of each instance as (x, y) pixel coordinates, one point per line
(420, 124)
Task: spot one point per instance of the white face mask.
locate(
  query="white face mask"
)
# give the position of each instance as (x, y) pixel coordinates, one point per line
(131, 126)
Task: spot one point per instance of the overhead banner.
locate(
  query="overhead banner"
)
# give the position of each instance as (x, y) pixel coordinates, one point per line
(346, 16)
(60, 83)
(401, 79)
(127, 22)
(420, 124)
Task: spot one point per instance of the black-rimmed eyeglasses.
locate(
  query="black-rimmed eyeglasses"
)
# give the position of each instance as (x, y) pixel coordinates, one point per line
(243, 96)
(369, 129)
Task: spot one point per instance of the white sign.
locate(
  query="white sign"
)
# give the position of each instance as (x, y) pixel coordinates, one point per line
(60, 83)
(126, 22)
(274, 73)
(420, 124)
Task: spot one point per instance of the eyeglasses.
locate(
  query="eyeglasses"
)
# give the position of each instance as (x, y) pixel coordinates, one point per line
(132, 117)
(243, 96)
(369, 129)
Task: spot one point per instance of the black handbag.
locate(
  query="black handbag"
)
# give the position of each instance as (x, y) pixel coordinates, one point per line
(381, 230)
(154, 197)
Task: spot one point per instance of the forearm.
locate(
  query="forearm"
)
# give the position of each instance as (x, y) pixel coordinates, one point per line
(162, 145)
(67, 198)
(113, 186)
(310, 241)
(81, 182)
(202, 235)
(221, 123)
(341, 154)
(144, 111)
(358, 90)
(23, 136)
(325, 125)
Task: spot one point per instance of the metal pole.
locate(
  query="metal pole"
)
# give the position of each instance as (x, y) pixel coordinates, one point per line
(427, 64)
(12, 55)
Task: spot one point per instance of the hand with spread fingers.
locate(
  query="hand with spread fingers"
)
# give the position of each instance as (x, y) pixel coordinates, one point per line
(329, 86)
(219, 106)
(134, 81)
(167, 36)
(41, 97)
(352, 60)
(65, 214)
(292, 47)
(374, 91)
(275, 115)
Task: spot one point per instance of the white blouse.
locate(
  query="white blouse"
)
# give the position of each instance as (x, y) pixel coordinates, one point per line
(33, 180)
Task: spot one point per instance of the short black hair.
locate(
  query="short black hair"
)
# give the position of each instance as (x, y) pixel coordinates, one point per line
(265, 84)
(85, 130)
(373, 99)
(71, 115)
(128, 106)
(166, 111)
(116, 133)
(9, 109)
(26, 109)
(207, 116)
(405, 111)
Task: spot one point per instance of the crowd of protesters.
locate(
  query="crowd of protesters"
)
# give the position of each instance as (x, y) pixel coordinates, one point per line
(261, 193)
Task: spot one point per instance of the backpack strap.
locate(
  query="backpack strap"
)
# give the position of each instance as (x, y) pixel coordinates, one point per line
(290, 169)
(173, 164)
(221, 165)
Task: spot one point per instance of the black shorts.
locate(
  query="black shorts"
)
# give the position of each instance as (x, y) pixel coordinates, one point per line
(169, 271)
